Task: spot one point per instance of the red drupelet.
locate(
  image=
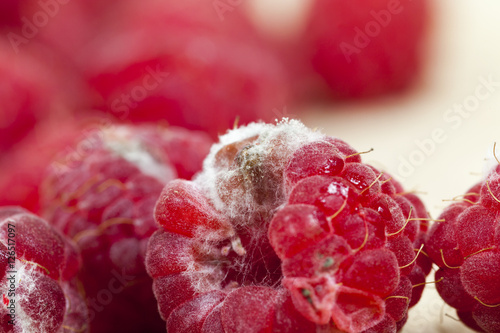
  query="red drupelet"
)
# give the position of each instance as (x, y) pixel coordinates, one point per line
(102, 195)
(285, 230)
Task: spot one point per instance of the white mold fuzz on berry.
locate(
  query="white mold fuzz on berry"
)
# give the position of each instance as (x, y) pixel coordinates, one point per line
(104, 200)
(31, 295)
(206, 273)
(38, 284)
(46, 306)
(128, 145)
(285, 230)
(248, 164)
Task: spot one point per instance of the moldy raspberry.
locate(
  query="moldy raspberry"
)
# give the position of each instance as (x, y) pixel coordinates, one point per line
(285, 230)
(102, 194)
(38, 287)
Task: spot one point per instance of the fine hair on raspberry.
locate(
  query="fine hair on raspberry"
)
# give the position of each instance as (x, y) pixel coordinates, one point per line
(286, 230)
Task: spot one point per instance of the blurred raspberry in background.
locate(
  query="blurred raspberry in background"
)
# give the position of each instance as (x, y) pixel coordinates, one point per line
(41, 100)
(180, 64)
(168, 61)
(202, 65)
(366, 48)
(348, 49)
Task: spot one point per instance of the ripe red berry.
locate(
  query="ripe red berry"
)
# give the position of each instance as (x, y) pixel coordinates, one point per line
(28, 91)
(178, 62)
(465, 247)
(37, 91)
(285, 232)
(102, 194)
(20, 168)
(38, 270)
(366, 48)
(9, 13)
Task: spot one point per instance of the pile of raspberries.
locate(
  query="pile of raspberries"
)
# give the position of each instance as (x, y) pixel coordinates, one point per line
(274, 228)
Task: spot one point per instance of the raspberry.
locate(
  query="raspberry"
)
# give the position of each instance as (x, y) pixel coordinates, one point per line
(201, 67)
(102, 195)
(9, 13)
(366, 48)
(465, 247)
(40, 282)
(285, 230)
(20, 175)
(29, 94)
(74, 25)
(38, 91)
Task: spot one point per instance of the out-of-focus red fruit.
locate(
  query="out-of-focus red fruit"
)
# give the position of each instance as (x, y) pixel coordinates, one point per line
(39, 93)
(366, 48)
(21, 169)
(194, 63)
(65, 26)
(181, 63)
(9, 13)
(28, 92)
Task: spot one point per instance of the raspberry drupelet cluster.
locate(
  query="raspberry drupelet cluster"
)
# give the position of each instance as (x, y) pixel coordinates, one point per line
(286, 230)
(102, 195)
(38, 270)
(465, 247)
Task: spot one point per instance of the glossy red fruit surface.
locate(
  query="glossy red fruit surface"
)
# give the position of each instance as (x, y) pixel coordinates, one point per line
(465, 247)
(39, 266)
(283, 231)
(101, 193)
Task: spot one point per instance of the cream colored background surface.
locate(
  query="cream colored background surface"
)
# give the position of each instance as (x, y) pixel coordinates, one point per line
(464, 49)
